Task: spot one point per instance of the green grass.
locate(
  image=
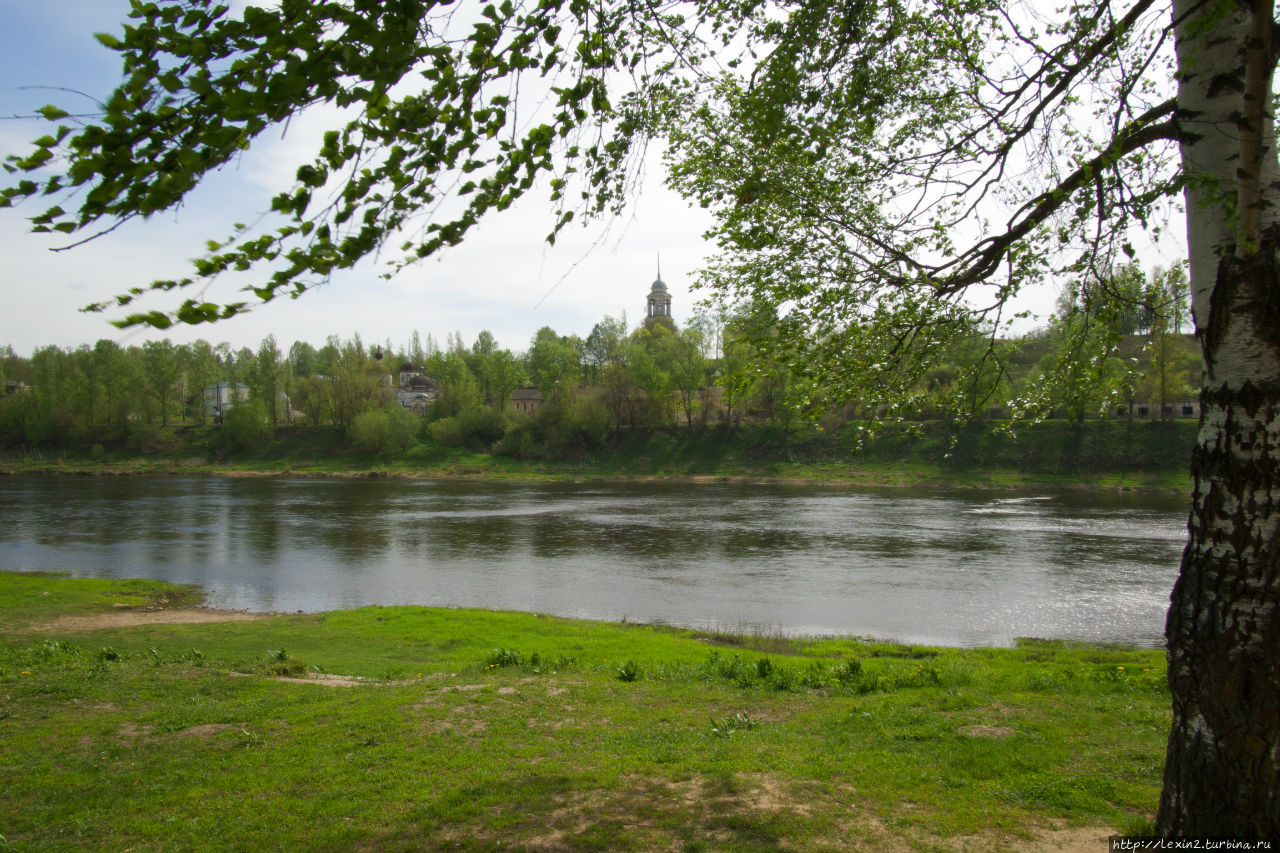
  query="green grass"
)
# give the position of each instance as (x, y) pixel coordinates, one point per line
(30, 598)
(475, 730)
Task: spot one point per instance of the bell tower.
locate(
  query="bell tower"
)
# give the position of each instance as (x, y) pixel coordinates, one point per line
(658, 305)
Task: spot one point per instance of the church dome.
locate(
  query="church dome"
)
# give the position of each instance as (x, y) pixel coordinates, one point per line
(659, 284)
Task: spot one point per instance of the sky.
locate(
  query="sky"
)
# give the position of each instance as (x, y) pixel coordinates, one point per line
(504, 278)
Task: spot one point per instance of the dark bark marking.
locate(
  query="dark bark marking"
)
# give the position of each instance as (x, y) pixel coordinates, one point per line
(1233, 82)
(1246, 286)
(1222, 772)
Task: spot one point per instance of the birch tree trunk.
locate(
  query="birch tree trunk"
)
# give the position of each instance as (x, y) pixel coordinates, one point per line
(1222, 772)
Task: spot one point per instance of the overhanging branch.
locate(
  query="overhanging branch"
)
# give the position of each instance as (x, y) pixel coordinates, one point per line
(982, 261)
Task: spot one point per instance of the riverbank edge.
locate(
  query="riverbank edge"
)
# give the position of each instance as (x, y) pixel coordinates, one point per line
(140, 600)
(1049, 455)
(1156, 482)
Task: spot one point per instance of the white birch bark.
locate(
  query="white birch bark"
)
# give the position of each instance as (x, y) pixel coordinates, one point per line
(1209, 52)
(1223, 631)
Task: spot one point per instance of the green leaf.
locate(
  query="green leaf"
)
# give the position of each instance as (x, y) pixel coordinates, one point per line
(52, 113)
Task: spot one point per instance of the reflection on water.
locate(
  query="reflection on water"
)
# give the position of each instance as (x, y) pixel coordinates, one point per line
(950, 567)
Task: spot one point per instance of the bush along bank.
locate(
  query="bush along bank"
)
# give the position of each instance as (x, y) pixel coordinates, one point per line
(1103, 453)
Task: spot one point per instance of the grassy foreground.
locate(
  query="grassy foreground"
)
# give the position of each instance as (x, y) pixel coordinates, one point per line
(389, 728)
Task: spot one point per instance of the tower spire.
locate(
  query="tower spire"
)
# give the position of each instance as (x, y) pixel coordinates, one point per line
(659, 301)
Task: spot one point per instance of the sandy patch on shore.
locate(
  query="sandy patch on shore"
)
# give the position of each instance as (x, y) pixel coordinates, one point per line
(131, 618)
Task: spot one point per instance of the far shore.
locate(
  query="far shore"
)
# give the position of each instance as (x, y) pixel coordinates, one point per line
(907, 477)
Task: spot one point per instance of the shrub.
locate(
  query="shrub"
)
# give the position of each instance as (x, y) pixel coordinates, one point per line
(244, 426)
(478, 428)
(731, 725)
(481, 427)
(578, 434)
(404, 426)
(521, 441)
(382, 430)
(446, 432)
(370, 431)
(850, 672)
(500, 658)
(629, 671)
(150, 438)
(535, 663)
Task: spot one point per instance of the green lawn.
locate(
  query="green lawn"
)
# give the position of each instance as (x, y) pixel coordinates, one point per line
(410, 728)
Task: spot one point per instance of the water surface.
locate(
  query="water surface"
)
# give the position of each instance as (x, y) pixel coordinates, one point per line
(952, 567)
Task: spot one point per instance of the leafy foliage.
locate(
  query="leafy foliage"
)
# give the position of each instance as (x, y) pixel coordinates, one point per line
(884, 186)
(383, 430)
(243, 427)
(630, 671)
(433, 135)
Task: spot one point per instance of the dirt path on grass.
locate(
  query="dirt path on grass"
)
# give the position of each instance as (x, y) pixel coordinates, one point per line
(1079, 840)
(128, 618)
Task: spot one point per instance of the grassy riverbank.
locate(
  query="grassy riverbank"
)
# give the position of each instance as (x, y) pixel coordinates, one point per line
(414, 728)
(1101, 454)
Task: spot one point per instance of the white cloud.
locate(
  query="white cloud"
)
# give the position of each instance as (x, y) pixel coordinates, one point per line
(504, 278)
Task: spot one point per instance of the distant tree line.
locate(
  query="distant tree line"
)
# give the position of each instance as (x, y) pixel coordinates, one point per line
(1106, 349)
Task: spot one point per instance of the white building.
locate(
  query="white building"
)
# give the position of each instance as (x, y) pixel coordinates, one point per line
(220, 398)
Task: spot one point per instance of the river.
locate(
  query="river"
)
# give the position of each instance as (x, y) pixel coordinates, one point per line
(949, 567)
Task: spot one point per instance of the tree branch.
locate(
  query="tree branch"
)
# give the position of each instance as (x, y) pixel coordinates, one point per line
(983, 259)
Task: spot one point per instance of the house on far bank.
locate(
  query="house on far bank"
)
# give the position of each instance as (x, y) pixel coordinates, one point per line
(13, 386)
(222, 397)
(416, 391)
(408, 371)
(527, 400)
(1174, 410)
